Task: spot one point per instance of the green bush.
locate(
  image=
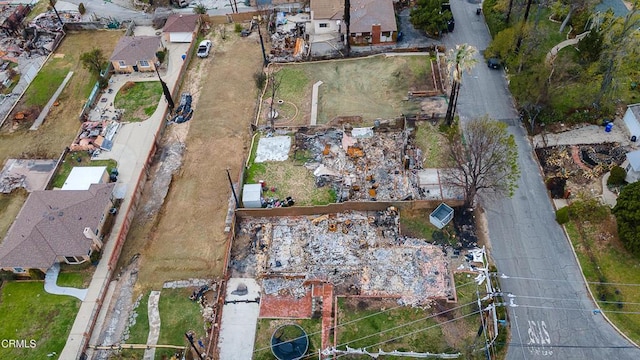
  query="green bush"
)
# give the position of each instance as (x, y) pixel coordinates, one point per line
(588, 210)
(161, 55)
(81, 9)
(95, 256)
(260, 78)
(36, 274)
(7, 275)
(237, 27)
(562, 215)
(617, 176)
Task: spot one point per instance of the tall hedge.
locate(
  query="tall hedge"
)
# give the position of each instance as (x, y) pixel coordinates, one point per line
(627, 212)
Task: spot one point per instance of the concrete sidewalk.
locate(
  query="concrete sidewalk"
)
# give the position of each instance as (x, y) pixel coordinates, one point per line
(51, 286)
(131, 150)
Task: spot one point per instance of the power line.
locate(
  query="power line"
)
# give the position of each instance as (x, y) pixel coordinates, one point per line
(504, 276)
(362, 318)
(413, 332)
(406, 324)
(410, 323)
(570, 346)
(572, 309)
(577, 300)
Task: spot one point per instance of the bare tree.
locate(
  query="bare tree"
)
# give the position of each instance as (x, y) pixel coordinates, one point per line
(275, 81)
(459, 60)
(484, 159)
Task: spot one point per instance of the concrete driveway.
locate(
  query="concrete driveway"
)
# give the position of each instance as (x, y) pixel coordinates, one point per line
(51, 286)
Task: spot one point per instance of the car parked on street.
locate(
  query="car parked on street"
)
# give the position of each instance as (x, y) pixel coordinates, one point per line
(204, 48)
(494, 63)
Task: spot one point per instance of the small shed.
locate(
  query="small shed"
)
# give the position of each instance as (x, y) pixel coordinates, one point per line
(82, 177)
(632, 121)
(441, 216)
(252, 195)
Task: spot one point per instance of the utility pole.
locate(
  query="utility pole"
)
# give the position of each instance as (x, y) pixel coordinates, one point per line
(233, 190)
(165, 90)
(264, 54)
(193, 346)
(484, 326)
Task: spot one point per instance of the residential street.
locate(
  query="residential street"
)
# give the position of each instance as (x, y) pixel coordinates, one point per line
(553, 315)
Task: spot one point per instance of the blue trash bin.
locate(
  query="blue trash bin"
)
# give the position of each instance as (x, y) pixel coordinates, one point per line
(608, 127)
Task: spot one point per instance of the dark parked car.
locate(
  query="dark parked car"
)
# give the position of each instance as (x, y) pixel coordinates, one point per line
(494, 63)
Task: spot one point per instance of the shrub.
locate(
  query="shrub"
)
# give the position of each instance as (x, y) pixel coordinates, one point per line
(81, 9)
(588, 210)
(237, 27)
(161, 55)
(103, 82)
(7, 275)
(36, 274)
(617, 176)
(562, 215)
(260, 78)
(95, 256)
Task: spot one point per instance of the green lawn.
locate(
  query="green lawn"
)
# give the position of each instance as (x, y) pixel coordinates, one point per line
(432, 143)
(77, 276)
(139, 100)
(28, 313)
(608, 261)
(139, 332)
(373, 87)
(266, 327)
(288, 178)
(79, 158)
(46, 83)
(178, 314)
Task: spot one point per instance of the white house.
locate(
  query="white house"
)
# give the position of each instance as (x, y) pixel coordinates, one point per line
(632, 166)
(632, 121)
(326, 17)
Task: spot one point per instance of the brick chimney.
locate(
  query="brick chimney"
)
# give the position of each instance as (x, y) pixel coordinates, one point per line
(375, 34)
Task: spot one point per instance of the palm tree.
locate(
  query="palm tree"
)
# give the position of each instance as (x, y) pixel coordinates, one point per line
(459, 60)
(347, 22)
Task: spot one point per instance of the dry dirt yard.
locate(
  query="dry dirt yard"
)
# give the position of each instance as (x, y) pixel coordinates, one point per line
(186, 238)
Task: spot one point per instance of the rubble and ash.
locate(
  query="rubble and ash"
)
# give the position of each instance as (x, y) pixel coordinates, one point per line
(354, 250)
(370, 167)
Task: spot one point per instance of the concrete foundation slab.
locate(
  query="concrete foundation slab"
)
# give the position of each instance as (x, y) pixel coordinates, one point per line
(29, 174)
(273, 149)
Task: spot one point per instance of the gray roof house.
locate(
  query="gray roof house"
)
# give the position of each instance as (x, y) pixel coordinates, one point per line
(135, 53)
(56, 226)
(181, 28)
(373, 22)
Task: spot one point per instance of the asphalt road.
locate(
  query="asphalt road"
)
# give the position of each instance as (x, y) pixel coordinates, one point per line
(552, 314)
